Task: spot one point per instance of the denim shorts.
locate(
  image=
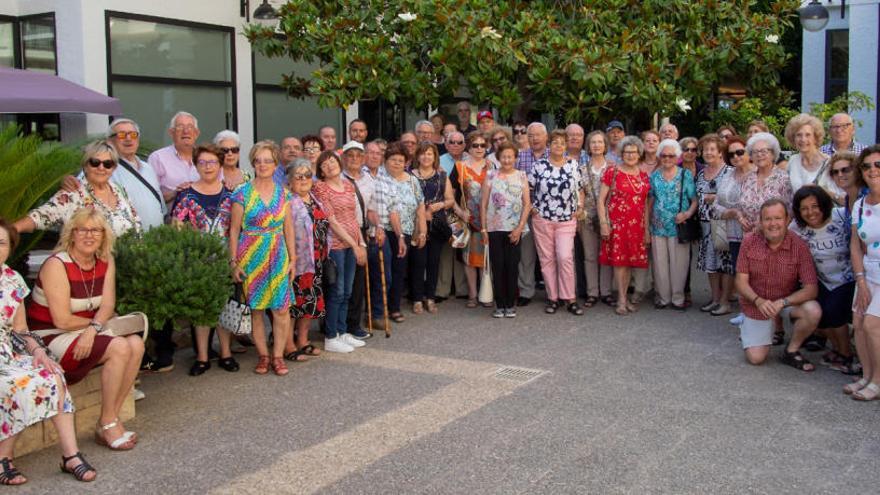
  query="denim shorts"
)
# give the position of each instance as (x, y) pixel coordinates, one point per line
(756, 333)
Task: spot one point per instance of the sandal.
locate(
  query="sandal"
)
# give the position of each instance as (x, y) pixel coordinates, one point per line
(310, 350)
(855, 386)
(229, 364)
(870, 392)
(797, 360)
(551, 307)
(262, 365)
(279, 367)
(10, 473)
(199, 367)
(632, 308)
(621, 310)
(431, 305)
(397, 318)
(779, 337)
(81, 470)
(124, 442)
(590, 301)
(472, 303)
(418, 308)
(575, 309)
(608, 300)
(296, 356)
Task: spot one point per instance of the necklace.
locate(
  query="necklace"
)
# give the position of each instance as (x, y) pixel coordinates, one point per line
(636, 188)
(89, 290)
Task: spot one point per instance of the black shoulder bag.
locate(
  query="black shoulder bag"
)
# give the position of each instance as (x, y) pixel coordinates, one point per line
(689, 230)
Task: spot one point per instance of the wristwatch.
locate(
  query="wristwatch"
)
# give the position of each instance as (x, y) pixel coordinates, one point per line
(785, 303)
(97, 326)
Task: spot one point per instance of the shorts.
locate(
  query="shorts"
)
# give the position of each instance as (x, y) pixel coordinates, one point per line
(755, 333)
(874, 305)
(836, 305)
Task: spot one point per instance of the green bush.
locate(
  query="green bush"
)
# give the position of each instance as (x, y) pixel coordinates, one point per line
(173, 273)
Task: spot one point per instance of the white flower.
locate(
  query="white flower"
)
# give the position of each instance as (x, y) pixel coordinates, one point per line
(489, 32)
(682, 105)
(395, 38)
(772, 38)
(407, 17)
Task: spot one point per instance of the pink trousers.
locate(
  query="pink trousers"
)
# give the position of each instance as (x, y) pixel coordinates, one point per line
(554, 242)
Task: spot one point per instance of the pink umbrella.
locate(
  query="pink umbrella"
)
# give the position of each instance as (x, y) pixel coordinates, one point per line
(24, 91)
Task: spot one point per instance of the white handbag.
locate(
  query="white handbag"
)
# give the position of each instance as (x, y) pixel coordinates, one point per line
(236, 315)
(486, 295)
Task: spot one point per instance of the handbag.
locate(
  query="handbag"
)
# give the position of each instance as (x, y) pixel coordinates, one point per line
(608, 201)
(689, 230)
(236, 315)
(460, 232)
(719, 235)
(486, 295)
(330, 273)
(439, 228)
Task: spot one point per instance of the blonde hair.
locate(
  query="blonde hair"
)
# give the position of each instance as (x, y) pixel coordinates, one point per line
(266, 144)
(96, 147)
(81, 217)
(800, 120)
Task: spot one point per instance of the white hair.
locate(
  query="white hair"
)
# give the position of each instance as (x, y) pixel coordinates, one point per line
(227, 134)
(423, 122)
(183, 114)
(631, 141)
(765, 137)
(669, 143)
(119, 121)
(537, 125)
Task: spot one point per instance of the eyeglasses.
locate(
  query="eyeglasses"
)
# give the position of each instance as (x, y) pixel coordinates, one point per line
(837, 127)
(202, 163)
(840, 171)
(731, 154)
(234, 149)
(517, 132)
(181, 128)
(668, 156)
(499, 139)
(125, 134)
(867, 165)
(408, 143)
(312, 149)
(760, 152)
(459, 143)
(302, 177)
(95, 163)
(267, 161)
(630, 152)
(690, 150)
(94, 232)
(479, 145)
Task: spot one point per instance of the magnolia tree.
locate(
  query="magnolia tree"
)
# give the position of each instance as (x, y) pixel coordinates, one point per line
(583, 59)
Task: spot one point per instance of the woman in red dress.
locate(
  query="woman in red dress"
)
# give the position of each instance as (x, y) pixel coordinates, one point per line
(623, 218)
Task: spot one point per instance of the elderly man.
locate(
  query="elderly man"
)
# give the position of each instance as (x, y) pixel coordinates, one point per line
(574, 142)
(464, 118)
(485, 121)
(615, 133)
(525, 161)
(291, 149)
(174, 163)
(451, 268)
(327, 135)
(843, 132)
(775, 276)
(454, 151)
(357, 131)
(410, 142)
(668, 131)
(364, 183)
(424, 131)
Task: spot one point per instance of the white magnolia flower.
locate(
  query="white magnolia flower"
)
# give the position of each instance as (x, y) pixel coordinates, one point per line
(489, 32)
(682, 105)
(772, 38)
(407, 17)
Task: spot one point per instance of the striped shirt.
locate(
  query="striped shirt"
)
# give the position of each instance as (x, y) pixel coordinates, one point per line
(343, 206)
(855, 147)
(83, 283)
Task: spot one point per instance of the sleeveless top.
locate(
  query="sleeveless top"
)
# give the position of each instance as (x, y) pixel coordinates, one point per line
(82, 283)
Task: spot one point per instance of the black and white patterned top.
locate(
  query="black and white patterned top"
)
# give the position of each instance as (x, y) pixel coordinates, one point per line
(554, 189)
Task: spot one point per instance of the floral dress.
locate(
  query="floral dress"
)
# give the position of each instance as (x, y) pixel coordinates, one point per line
(29, 394)
(710, 260)
(52, 214)
(505, 206)
(262, 250)
(626, 213)
(470, 183)
(308, 292)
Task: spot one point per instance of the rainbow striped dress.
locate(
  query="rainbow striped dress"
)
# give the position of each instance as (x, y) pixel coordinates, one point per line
(262, 252)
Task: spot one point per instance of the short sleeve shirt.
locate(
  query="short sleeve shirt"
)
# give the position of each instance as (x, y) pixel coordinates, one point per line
(670, 198)
(866, 218)
(830, 247)
(402, 197)
(341, 205)
(555, 189)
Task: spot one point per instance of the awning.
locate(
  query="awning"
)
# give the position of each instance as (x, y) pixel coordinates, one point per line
(24, 91)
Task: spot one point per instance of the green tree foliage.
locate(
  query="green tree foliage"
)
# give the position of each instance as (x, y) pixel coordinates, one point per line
(587, 58)
(173, 273)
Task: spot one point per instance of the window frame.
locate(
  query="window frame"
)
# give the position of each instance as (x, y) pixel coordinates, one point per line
(829, 82)
(16, 40)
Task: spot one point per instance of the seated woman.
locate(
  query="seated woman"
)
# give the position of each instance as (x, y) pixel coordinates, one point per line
(33, 388)
(97, 191)
(72, 309)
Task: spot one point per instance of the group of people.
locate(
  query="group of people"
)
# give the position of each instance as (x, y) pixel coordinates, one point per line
(316, 230)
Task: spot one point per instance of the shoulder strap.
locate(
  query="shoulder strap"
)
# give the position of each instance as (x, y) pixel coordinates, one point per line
(357, 192)
(611, 188)
(821, 171)
(140, 177)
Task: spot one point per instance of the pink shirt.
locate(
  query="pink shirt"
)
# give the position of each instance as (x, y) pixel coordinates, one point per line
(339, 205)
(171, 169)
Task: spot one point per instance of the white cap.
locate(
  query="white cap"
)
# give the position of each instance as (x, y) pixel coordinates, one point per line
(352, 145)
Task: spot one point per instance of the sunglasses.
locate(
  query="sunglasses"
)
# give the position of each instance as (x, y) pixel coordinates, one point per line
(867, 165)
(840, 171)
(499, 139)
(455, 142)
(125, 134)
(517, 132)
(690, 150)
(668, 156)
(234, 149)
(479, 145)
(302, 177)
(731, 154)
(108, 164)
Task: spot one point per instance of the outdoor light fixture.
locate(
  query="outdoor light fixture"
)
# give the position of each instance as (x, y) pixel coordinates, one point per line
(266, 12)
(814, 16)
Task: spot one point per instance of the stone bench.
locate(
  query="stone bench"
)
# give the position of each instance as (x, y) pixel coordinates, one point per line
(87, 401)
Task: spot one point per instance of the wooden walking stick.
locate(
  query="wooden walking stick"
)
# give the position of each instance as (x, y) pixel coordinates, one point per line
(384, 292)
(369, 307)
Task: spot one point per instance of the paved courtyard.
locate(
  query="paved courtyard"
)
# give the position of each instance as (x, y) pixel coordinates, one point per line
(655, 402)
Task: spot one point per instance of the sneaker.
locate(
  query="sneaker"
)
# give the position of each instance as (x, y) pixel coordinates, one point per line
(361, 334)
(139, 394)
(710, 306)
(337, 345)
(151, 366)
(523, 301)
(498, 313)
(510, 313)
(738, 320)
(348, 339)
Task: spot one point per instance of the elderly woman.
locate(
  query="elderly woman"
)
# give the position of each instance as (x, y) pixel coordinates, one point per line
(404, 224)
(73, 310)
(623, 218)
(312, 229)
(727, 201)
(505, 206)
(807, 166)
(755, 127)
(437, 122)
(347, 248)
(866, 267)
(438, 197)
(312, 148)
(205, 206)
(767, 181)
(557, 200)
(33, 384)
(498, 136)
(650, 162)
(598, 276)
(229, 145)
(263, 255)
(715, 263)
(689, 148)
(467, 179)
(827, 231)
(671, 202)
(842, 171)
(98, 163)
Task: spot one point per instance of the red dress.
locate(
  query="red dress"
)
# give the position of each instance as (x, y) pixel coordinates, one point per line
(626, 211)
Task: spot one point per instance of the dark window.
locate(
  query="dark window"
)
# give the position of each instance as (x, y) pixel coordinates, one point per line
(836, 63)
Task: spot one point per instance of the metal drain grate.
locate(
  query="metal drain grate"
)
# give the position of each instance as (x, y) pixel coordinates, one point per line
(515, 374)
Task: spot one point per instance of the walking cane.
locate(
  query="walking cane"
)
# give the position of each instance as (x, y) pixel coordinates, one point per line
(384, 292)
(369, 307)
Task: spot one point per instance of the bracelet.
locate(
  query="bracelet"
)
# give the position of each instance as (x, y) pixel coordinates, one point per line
(233, 262)
(755, 299)
(859, 274)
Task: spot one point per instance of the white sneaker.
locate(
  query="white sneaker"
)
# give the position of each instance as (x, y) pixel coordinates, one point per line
(737, 320)
(350, 340)
(139, 394)
(337, 345)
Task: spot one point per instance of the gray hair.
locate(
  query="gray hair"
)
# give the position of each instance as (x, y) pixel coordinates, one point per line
(667, 143)
(537, 125)
(630, 141)
(848, 117)
(93, 148)
(122, 120)
(423, 122)
(764, 137)
(451, 135)
(295, 165)
(227, 134)
(669, 124)
(183, 114)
